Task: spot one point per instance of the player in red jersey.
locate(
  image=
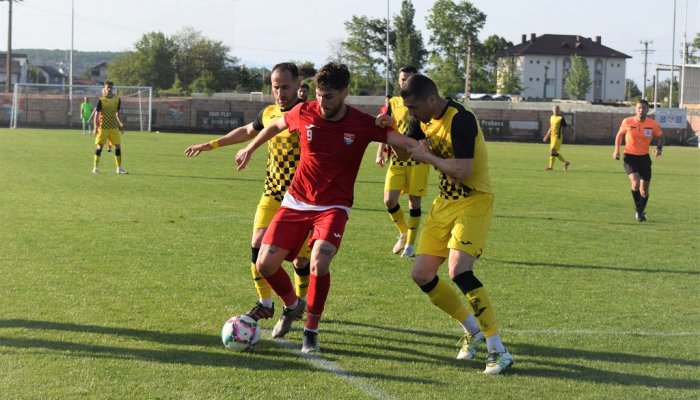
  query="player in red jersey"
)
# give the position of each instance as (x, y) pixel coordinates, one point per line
(333, 139)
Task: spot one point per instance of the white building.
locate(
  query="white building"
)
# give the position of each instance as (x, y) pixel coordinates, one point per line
(542, 62)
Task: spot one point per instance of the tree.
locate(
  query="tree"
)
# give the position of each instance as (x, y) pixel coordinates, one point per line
(694, 47)
(486, 63)
(453, 27)
(409, 49)
(508, 77)
(632, 92)
(578, 79)
(198, 57)
(154, 60)
(366, 48)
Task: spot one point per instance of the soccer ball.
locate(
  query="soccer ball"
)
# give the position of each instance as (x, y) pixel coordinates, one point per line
(240, 333)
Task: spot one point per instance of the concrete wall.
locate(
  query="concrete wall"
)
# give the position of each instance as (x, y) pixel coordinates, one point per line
(525, 122)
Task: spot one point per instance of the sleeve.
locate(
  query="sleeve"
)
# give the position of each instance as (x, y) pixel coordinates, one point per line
(563, 122)
(119, 105)
(657, 130)
(463, 133)
(99, 106)
(414, 130)
(258, 122)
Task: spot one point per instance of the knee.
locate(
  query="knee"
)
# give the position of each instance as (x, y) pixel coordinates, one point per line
(421, 276)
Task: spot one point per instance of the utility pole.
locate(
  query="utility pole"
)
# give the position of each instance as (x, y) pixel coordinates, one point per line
(8, 59)
(467, 82)
(646, 51)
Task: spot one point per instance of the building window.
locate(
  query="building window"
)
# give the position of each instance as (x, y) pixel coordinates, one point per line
(538, 79)
(530, 79)
(538, 61)
(530, 61)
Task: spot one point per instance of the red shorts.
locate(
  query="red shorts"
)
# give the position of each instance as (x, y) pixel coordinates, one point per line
(289, 228)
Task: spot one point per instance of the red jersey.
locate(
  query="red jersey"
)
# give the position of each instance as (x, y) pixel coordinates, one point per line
(331, 153)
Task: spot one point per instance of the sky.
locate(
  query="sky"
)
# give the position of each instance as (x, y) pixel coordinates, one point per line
(265, 32)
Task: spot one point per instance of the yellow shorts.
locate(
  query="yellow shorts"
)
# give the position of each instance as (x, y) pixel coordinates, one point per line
(457, 224)
(412, 180)
(112, 135)
(555, 144)
(267, 207)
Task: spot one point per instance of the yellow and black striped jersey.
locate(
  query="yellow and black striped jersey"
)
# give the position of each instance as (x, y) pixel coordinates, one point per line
(283, 152)
(108, 108)
(400, 113)
(456, 134)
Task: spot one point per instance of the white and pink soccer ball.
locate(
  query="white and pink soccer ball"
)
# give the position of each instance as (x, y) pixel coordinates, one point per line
(240, 333)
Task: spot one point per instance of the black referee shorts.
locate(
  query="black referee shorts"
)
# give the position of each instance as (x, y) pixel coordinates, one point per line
(638, 164)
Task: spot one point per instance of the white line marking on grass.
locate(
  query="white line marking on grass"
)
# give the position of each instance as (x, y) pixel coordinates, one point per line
(597, 332)
(319, 362)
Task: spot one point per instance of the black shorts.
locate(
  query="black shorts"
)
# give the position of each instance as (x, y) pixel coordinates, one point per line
(638, 164)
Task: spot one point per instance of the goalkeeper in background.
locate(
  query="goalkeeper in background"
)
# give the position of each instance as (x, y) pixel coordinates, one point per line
(86, 115)
(108, 126)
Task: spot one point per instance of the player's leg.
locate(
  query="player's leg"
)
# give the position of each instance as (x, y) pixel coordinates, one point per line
(394, 182)
(416, 187)
(553, 153)
(284, 238)
(100, 140)
(632, 167)
(329, 227)
(467, 241)
(264, 212)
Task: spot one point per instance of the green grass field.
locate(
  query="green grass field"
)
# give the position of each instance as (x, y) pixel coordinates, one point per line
(116, 287)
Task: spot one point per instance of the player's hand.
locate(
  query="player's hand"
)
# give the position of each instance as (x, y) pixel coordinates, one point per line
(421, 151)
(193, 151)
(616, 155)
(380, 160)
(384, 121)
(657, 153)
(242, 158)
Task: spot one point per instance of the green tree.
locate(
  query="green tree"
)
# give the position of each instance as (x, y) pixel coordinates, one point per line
(366, 49)
(693, 48)
(199, 57)
(453, 26)
(409, 49)
(578, 79)
(486, 62)
(123, 70)
(154, 60)
(508, 76)
(632, 92)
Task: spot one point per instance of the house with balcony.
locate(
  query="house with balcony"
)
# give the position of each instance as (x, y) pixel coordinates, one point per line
(542, 62)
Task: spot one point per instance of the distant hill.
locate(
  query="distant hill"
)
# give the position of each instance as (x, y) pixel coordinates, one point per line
(82, 60)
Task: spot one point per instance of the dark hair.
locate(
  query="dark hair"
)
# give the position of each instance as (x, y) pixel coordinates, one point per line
(109, 83)
(419, 86)
(388, 96)
(304, 86)
(332, 76)
(287, 66)
(408, 69)
(642, 101)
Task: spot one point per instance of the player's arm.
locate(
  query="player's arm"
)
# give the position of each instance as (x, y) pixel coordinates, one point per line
(546, 135)
(463, 133)
(239, 135)
(660, 141)
(618, 140)
(381, 159)
(97, 111)
(401, 144)
(244, 155)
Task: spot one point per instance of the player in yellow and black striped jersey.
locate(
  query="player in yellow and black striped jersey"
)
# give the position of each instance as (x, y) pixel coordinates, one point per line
(456, 227)
(403, 176)
(108, 126)
(283, 154)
